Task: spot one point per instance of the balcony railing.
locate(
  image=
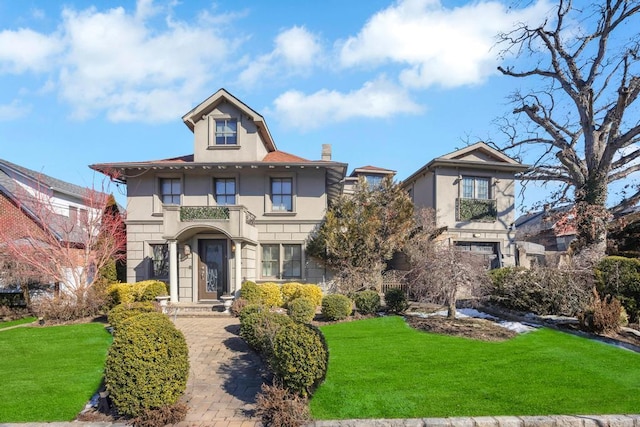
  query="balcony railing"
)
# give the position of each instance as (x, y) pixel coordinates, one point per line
(477, 210)
(234, 220)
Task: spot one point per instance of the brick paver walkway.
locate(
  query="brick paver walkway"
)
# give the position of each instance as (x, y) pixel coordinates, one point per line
(225, 375)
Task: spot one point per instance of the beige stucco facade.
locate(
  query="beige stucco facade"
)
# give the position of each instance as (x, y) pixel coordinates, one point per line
(181, 228)
(477, 219)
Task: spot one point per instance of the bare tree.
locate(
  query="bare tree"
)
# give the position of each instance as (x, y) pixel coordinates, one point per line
(439, 271)
(580, 123)
(64, 248)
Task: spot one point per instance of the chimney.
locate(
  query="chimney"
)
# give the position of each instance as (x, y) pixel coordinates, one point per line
(326, 152)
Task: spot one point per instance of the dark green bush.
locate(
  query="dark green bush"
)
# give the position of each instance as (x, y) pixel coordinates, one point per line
(249, 309)
(147, 364)
(259, 328)
(121, 312)
(250, 291)
(541, 290)
(299, 358)
(301, 310)
(367, 302)
(396, 300)
(620, 277)
(336, 307)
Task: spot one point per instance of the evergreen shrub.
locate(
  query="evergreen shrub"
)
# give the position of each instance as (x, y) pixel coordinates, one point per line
(620, 277)
(259, 328)
(301, 310)
(367, 302)
(396, 300)
(336, 307)
(147, 365)
(299, 358)
(121, 312)
(249, 291)
(270, 294)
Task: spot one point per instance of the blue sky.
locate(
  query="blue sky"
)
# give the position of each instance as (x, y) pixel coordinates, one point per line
(387, 83)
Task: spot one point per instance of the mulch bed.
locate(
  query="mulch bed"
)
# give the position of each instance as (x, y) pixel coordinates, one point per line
(479, 329)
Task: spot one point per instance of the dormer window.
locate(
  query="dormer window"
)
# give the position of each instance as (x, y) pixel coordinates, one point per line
(226, 132)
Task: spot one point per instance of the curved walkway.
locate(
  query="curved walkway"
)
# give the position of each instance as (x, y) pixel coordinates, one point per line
(225, 375)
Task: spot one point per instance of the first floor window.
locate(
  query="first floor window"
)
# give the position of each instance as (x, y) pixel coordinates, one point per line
(226, 132)
(225, 191)
(282, 194)
(475, 187)
(170, 191)
(160, 260)
(282, 261)
(270, 260)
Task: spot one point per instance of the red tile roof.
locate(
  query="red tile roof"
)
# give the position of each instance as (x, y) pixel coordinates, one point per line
(282, 157)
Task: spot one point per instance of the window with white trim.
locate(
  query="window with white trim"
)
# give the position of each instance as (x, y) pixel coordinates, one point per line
(225, 191)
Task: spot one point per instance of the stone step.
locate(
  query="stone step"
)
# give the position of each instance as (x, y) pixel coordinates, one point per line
(209, 309)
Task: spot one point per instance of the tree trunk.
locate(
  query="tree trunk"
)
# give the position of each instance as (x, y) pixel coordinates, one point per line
(592, 217)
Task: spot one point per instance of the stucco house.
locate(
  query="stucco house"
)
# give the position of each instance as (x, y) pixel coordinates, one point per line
(472, 191)
(236, 209)
(372, 175)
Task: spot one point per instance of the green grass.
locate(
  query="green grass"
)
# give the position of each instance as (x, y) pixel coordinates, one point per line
(382, 368)
(49, 374)
(4, 325)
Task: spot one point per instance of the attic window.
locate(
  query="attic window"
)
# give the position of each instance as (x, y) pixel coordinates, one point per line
(226, 132)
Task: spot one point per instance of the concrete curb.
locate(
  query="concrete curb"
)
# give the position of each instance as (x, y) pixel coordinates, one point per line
(522, 421)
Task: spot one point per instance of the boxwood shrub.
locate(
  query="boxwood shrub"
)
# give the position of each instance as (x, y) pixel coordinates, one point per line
(299, 358)
(147, 364)
(258, 329)
(367, 302)
(620, 277)
(121, 312)
(396, 300)
(270, 294)
(301, 310)
(336, 307)
(249, 291)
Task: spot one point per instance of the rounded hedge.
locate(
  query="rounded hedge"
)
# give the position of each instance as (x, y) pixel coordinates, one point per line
(153, 289)
(367, 302)
(336, 307)
(249, 291)
(259, 328)
(396, 300)
(270, 294)
(147, 365)
(299, 358)
(301, 310)
(124, 311)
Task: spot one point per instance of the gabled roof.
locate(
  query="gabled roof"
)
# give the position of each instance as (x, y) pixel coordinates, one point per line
(8, 170)
(371, 170)
(201, 110)
(487, 158)
(283, 157)
(558, 219)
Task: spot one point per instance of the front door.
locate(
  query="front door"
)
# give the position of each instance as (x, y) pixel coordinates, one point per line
(212, 268)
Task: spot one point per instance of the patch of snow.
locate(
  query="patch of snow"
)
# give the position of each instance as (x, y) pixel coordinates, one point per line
(471, 312)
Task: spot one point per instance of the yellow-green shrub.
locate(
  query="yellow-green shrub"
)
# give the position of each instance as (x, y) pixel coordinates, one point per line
(293, 290)
(120, 293)
(249, 291)
(123, 311)
(270, 294)
(146, 290)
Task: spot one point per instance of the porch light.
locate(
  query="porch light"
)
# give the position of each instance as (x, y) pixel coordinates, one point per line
(233, 247)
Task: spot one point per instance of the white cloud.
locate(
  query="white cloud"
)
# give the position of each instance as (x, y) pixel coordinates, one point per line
(376, 99)
(115, 62)
(25, 50)
(296, 51)
(13, 111)
(436, 45)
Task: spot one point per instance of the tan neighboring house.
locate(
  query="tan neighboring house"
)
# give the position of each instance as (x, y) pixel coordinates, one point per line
(372, 175)
(472, 191)
(236, 209)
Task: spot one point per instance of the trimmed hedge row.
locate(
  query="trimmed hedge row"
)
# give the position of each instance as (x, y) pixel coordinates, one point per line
(273, 295)
(146, 290)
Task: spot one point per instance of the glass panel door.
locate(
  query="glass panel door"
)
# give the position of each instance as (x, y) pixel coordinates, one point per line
(212, 269)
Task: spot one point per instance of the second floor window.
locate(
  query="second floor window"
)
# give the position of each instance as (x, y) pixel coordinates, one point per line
(170, 191)
(475, 188)
(225, 191)
(282, 194)
(226, 132)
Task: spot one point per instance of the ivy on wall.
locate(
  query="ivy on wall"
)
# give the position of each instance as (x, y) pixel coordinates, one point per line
(480, 210)
(203, 212)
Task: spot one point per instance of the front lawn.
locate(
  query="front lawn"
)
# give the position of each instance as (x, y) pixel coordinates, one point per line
(382, 368)
(49, 374)
(4, 325)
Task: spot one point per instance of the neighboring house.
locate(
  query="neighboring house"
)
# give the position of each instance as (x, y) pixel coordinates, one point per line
(372, 175)
(472, 191)
(32, 202)
(553, 228)
(236, 209)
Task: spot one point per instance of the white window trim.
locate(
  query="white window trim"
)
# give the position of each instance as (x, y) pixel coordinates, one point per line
(211, 197)
(211, 129)
(475, 189)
